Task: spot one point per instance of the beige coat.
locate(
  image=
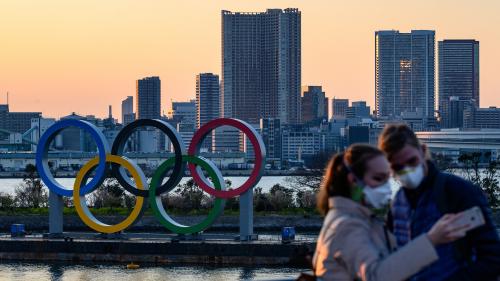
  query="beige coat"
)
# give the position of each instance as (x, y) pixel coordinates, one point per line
(352, 245)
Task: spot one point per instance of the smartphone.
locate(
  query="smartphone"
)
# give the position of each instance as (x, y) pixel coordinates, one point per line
(472, 217)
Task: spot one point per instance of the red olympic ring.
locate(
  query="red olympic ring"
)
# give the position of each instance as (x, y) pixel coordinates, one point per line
(259, 150)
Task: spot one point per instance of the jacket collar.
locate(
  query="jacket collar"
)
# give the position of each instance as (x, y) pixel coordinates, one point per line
(348, 205)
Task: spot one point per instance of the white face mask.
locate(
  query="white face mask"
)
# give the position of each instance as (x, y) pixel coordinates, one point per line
(411, 177)
(379, 196)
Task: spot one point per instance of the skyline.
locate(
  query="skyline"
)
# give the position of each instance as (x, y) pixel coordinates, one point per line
(53, 49)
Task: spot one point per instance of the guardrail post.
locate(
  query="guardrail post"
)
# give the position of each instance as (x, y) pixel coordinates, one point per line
(56, 207)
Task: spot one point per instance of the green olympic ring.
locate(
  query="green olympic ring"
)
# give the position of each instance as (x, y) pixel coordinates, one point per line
(157, 206)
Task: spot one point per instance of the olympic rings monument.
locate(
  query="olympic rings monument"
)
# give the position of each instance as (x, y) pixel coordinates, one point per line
(111, 162)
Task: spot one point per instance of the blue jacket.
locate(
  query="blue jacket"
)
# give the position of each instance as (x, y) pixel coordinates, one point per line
(475, 257)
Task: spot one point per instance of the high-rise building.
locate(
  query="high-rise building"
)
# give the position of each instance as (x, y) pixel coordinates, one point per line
(298, 143)
(482, 118)
(404, 73)
(339, 107)
(458, 75)
(16, 122)
(261, 65)
(148, 98)
(39, 126)
(128, 110)
(270, 130)
(183, 111)
(358, 134)
(314, 104)
(207, 98)
(358, 109)
(455, 110)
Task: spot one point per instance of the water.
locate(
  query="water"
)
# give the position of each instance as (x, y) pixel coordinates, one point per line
(56, 272)
(8, 185)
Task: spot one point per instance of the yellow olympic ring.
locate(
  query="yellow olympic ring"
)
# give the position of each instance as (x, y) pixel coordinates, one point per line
(81, 205)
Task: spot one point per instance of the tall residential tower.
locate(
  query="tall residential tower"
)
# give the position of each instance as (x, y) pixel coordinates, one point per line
(148, 98)
(261, 65)
(405, 73)
(207, 98)
(128, 110)
(458, 77)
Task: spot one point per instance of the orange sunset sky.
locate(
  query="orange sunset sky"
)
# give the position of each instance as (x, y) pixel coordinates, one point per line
(63, 56)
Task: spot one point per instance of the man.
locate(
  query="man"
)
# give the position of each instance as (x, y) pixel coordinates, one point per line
(425, 196)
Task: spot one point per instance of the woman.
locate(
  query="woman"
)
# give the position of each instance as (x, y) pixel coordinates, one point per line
(353, 244)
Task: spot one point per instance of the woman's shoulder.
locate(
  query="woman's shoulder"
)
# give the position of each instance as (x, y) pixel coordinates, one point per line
(338, 220)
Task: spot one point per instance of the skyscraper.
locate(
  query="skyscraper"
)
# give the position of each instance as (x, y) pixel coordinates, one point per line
(458, 75)
(314, 104)
(358, 109)
(456, 106)
(148, 96)
(128, 110)
(404, 73)
(261, 65)
(339, 107)
(270, 130)
(207, 98)
(183, 112)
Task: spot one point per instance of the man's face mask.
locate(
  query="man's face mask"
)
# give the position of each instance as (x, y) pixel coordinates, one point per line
(411, 177)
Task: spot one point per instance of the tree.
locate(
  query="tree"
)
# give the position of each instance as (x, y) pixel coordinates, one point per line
(311, 179)
(306, 199)
(487, 179)
(110, 194)
(7, 201)
(443, 162)
(30, 193)
(192, 195)
(280, 197)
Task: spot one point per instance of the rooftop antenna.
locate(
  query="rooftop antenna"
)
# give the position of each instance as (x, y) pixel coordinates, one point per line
(7, 97)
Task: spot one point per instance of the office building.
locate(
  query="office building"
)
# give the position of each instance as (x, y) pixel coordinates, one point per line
(458, 76)
(16, 122)
(358, 109)
(261, 65)
(38, 127)
(207, 98)
(148, 98)
(298, 143)
(358, 134)
(455, 108)
(128, 110)
(183, 112)
(404, 73)
(270, 130)
(339, 107)
(482, 118)
(314, 105)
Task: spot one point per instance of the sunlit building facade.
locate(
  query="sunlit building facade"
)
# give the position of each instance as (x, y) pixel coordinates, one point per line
(404, 73)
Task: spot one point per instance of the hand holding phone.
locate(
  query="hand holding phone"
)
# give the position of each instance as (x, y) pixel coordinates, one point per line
(451, 227)
(471, 218)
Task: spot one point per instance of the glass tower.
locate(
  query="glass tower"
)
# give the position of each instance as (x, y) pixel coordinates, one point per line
(261, 65)
(404, 73)
(458, 76)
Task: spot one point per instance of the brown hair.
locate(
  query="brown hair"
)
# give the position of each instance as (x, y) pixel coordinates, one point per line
(394, 137)
(335, 182)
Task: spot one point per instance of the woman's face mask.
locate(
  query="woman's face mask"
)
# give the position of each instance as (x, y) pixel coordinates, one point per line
(378, 196)
(411, 177)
